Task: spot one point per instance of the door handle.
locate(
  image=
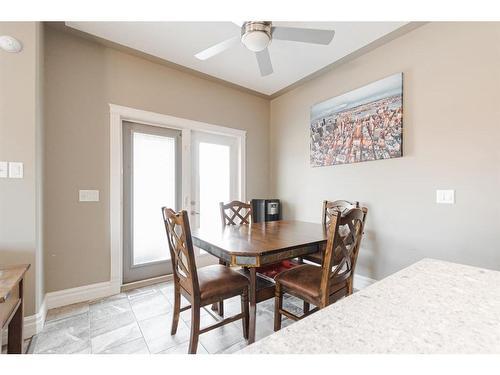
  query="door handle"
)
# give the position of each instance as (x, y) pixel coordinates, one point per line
(194, 212)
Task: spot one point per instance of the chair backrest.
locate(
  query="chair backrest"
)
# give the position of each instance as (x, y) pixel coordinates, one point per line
(235, 213)
(341, 252)
(330, 207)
(181, 249)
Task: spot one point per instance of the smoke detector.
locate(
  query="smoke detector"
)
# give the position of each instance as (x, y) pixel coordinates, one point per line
(10, 44)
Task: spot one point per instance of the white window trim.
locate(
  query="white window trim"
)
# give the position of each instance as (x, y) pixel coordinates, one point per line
(118, 114)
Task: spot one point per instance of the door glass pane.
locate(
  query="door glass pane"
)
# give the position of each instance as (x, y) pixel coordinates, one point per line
(214, 169)
(153, 188)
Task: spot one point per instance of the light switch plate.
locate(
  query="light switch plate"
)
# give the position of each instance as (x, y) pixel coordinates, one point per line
(15, 169)
(4, 169)
(88, 195)
(445, 196)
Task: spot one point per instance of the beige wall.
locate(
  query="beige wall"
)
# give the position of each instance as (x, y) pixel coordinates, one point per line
(82, 77)
(451, 141)
(20, 131)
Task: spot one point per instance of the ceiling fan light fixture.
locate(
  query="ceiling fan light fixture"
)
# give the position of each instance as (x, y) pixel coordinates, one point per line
(256, 36)
(255, 40)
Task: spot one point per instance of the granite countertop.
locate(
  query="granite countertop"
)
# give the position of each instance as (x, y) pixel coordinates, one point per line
(430, 307)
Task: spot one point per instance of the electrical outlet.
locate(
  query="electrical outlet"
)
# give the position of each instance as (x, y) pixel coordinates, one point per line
(88, 195)
(445, 196)
(15, 169)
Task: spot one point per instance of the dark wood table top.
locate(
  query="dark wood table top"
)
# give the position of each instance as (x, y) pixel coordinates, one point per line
(260, 239)
(9, 277)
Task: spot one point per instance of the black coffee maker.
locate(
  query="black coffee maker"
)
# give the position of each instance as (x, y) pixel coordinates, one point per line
(266, 210)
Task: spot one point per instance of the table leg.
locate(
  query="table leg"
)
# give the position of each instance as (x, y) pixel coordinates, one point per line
(253, 305)
(15, 336)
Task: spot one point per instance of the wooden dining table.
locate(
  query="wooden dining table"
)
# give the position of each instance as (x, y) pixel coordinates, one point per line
(257, 245)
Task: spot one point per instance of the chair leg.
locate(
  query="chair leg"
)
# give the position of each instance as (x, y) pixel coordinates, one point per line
(195, 328)
(244, 310)
(220, 306)
(306, 307)
(177, 308)
(349, 286)
(278, 304)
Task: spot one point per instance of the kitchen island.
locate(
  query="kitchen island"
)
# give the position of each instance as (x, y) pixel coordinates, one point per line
(430, 307)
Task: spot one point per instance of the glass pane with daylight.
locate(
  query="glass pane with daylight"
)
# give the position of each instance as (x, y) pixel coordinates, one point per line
(153, 188)
(214, 169)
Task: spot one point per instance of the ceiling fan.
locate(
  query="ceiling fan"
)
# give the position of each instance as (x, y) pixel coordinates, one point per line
(256, 36)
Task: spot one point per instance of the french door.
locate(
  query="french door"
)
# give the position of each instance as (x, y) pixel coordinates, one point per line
(215, 176)
(151, 180)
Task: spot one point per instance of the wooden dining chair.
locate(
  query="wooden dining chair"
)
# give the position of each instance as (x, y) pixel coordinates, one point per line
(321, 286)
(235, 213)
(202, 286)
(329, 207)
(232, 213)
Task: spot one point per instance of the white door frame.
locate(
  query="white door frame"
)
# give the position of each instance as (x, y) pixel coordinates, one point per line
(118, 114)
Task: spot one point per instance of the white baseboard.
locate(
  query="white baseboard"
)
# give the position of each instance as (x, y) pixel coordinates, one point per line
(81, 294)
(361, 282)
(33, 324)
(147, 282)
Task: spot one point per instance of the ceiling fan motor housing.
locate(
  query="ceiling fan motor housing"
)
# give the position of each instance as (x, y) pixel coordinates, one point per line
(256, 35)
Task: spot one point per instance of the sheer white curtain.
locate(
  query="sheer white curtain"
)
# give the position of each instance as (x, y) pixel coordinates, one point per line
(153, 187)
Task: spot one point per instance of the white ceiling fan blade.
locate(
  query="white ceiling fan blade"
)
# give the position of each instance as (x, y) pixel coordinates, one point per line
(218, 48)
(297, 34)
(264, 61)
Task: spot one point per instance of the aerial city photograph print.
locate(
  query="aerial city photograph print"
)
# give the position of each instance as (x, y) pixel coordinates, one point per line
(361, 125)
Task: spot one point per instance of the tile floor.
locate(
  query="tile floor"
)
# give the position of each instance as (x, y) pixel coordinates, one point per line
(138, 321)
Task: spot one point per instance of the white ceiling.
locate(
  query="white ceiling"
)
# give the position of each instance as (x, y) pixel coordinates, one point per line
(178, 42)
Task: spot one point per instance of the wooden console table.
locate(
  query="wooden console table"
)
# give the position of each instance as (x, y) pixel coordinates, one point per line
(12, 305)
